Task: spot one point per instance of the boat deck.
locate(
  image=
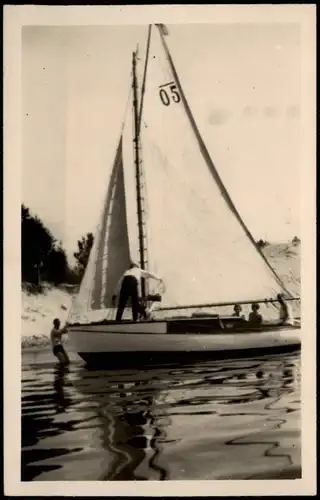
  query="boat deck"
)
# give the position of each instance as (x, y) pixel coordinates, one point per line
(200, 324)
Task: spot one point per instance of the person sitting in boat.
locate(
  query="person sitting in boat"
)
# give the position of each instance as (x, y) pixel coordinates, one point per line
(128, 288)
(255, 318)
(237, 311)
(286, 314)
(57, 347)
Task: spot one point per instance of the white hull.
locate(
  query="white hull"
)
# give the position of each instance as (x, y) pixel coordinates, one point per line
(153, 338)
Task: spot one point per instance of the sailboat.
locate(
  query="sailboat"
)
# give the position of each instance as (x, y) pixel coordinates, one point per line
(167, 209)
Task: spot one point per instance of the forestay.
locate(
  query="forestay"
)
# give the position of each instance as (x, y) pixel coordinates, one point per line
(197, 241)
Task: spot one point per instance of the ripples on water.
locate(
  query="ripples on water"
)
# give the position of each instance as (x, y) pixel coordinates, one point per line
(208, 420)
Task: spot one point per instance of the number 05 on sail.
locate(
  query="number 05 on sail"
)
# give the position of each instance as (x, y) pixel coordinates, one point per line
(167, 208)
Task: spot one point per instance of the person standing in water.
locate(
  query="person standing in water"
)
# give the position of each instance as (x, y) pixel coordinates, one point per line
(128, 288)
(57, 347)
(285, 315)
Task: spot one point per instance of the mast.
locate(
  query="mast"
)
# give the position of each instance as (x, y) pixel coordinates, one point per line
(143, 88)
(138, 172)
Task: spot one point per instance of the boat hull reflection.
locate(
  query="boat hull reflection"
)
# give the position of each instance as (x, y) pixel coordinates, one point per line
(150, 416)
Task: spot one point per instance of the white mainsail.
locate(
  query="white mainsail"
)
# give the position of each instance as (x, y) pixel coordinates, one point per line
(197, 241)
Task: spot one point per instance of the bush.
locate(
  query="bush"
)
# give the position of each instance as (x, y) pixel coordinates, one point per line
(83, 253)
(262, 243)
(296, 240)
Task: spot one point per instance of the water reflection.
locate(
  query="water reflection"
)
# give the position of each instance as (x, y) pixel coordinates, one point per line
(43, 397)
(131, 430)
(139, 414)
(61, 400)
(287, 380)
(199, 421)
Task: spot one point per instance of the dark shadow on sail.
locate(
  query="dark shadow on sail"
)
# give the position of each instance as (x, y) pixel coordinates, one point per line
(118, 240)
(113, 256)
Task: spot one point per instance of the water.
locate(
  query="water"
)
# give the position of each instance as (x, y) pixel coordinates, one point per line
(236, 419)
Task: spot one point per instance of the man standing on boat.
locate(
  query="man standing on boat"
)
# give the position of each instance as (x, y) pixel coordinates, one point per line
(128, 288)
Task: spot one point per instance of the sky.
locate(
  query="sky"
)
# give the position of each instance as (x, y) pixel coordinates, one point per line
(242, 82)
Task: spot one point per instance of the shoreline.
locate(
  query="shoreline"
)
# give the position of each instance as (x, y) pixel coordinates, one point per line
(37, 342)
(31, 356)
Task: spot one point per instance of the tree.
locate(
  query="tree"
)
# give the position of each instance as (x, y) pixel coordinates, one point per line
(42, 257)
(25, 214)
(296, 240)
(36, 243)
(83, 253)
(57, 265)
(262, 243)
(72, 276)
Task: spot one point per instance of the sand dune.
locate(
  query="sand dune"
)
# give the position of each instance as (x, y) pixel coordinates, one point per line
(285, 259)
(38, 310)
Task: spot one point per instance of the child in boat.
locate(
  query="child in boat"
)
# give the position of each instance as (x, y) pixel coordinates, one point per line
(255, 317)
(57, 347)
(285, 315)
(237, 310)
